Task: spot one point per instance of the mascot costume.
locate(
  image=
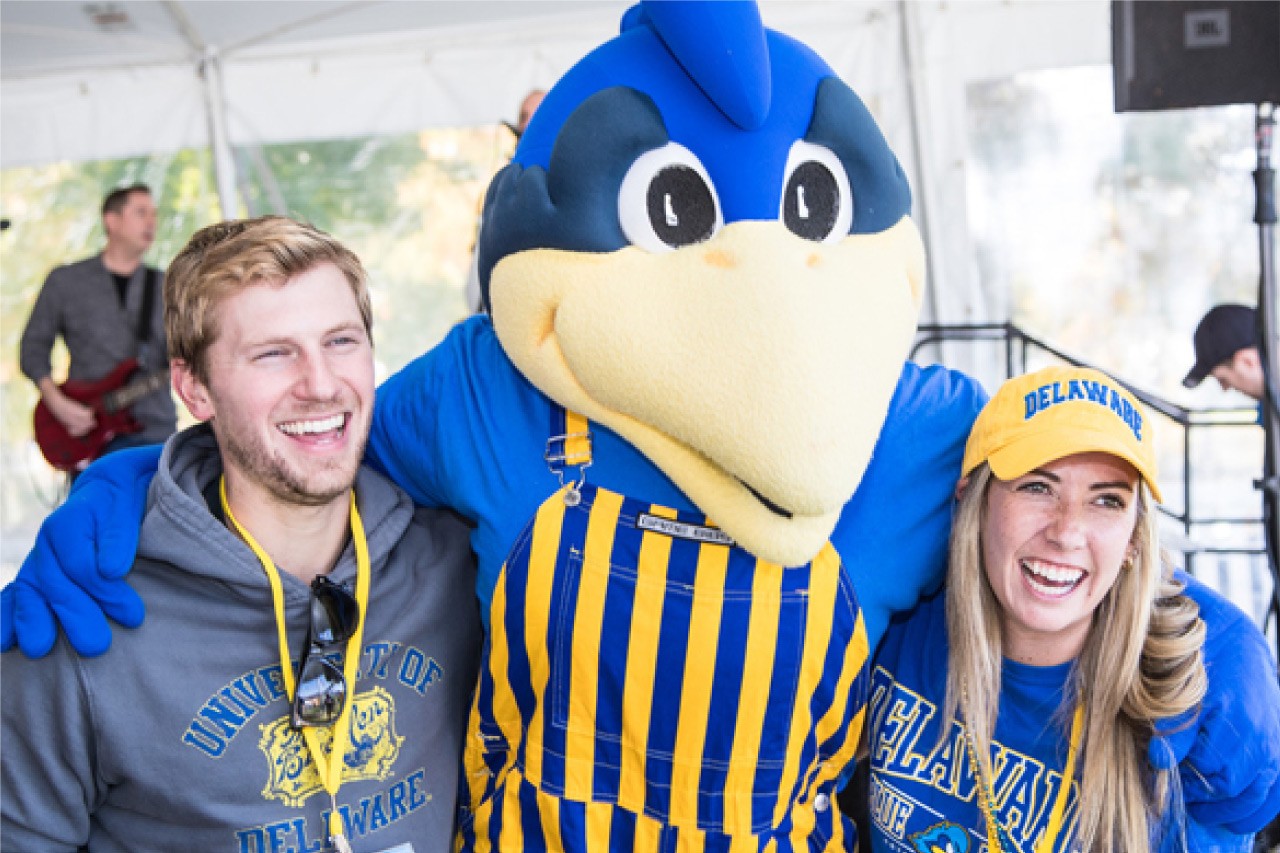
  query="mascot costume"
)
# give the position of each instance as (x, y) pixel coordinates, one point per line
(701, 473)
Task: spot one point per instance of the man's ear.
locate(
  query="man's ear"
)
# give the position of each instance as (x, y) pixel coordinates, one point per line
(191, 390)
(110, 222)
(1248, 358)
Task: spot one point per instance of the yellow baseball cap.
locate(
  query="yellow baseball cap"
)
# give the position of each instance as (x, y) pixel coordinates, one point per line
(1043, 416)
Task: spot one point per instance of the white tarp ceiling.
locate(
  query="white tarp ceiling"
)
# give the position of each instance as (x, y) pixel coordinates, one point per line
(85, 81)
(111, 79)
(105, 80)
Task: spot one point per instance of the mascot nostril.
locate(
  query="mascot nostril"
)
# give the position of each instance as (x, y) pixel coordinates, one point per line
(720, 260)
(701, 471)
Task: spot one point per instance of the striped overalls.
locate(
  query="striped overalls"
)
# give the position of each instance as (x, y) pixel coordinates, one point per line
(648, 685)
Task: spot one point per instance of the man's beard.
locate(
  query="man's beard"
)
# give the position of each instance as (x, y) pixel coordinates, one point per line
(274, 473)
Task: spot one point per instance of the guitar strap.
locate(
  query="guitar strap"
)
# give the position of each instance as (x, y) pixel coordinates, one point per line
(143, 331)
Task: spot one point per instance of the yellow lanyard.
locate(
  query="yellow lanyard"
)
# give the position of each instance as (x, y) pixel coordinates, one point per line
(986, 796)
(328, 764)
(1050, 836)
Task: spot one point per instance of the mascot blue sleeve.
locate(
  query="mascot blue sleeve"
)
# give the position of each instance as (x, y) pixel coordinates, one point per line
(894, 532)
(1229, 754)
(459, 428)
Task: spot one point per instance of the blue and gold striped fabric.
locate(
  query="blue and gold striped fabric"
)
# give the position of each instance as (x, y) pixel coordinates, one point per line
(647, 685)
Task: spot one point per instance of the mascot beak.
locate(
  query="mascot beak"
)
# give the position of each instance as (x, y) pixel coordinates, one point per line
(702, 357)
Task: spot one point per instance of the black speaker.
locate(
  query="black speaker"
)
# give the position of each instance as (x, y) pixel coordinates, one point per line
(1167, 54)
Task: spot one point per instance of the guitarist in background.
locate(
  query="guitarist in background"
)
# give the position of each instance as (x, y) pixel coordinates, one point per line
(108, 309)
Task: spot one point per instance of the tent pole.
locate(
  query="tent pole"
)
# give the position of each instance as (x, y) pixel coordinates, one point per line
(224, 166)
(909, 23)
(1268, 300)
(210, 70)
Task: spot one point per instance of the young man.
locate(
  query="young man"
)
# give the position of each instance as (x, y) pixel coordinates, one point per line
(1226, 342)
(107, 309)
(190, 732)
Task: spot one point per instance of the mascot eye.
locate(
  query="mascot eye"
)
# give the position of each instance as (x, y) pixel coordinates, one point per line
(666, 200)
(817, 202)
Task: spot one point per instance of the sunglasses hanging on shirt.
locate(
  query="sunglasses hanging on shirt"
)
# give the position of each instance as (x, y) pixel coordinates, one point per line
(321, 691)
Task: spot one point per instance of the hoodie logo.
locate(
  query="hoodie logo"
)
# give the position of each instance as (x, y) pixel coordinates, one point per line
(373, 749)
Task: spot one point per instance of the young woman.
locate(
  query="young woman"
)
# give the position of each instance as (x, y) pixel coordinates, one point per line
(1016, 710)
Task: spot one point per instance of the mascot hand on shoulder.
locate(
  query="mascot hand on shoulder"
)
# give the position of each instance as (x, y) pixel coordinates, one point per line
(701, 474)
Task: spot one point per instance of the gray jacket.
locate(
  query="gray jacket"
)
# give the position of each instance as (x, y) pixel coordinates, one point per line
(79, 302)
(178, 737)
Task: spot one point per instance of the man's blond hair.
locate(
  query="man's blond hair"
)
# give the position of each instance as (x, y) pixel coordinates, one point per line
(224, 259)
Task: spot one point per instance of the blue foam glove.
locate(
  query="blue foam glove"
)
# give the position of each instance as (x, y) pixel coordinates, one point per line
(1228, 750)
(73, 576)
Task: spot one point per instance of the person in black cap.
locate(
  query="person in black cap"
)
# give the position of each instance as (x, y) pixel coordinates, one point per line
(1226, 342)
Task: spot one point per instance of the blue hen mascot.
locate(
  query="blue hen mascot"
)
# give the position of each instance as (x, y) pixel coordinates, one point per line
(701, 473)
(703, 282)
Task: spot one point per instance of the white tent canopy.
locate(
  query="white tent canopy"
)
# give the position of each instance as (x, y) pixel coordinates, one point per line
(76, 89)
(117, 79)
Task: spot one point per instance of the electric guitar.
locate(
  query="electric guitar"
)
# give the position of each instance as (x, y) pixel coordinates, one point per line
(110, 398)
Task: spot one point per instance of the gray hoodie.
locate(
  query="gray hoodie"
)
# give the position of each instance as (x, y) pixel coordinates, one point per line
(178, 737)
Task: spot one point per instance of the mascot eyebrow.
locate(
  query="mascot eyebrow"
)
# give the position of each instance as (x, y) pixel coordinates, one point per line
(573, 204)
(842, 123)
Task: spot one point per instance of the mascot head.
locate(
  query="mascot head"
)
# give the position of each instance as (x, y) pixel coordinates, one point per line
(704, 243)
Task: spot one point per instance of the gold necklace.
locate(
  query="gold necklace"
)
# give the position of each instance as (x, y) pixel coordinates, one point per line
(996, 833)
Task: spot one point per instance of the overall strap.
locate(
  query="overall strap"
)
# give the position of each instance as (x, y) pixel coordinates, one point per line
(569, 446)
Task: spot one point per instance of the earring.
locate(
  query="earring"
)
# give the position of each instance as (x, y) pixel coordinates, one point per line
(1127, 563)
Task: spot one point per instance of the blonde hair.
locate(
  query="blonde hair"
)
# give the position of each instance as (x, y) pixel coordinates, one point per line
(1140, 663)
(223, 259)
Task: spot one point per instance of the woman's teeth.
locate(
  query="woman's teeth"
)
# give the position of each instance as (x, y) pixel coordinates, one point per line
(1052, 579)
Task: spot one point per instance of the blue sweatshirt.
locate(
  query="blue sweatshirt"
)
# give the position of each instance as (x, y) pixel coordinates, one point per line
(923, 800)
